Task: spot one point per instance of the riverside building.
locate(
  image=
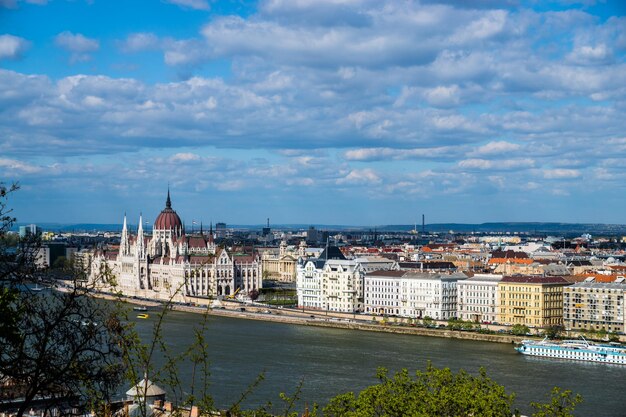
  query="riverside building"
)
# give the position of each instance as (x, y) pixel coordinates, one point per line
(333, 283)
(594, 306)
(171, 263)
(412, 294)
(533, 301)
(477, 298)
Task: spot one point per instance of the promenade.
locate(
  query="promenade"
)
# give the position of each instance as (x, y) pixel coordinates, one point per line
(260, 312)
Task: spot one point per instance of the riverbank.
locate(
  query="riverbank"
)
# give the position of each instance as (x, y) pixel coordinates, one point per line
(319, 319)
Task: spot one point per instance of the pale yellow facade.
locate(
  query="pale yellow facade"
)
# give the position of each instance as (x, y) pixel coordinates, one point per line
(533, 303)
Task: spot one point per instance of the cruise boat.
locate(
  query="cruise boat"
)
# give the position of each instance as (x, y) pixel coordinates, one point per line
(581, 350)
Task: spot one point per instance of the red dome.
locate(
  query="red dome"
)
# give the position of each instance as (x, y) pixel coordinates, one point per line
(168, 219)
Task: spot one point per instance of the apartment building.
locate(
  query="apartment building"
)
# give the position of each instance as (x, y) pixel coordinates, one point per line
(594, 306)
(333, 283)
(534, 301)
(477, 298)
(412, 294)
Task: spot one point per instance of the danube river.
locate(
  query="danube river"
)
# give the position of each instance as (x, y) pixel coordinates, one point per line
(332, 361)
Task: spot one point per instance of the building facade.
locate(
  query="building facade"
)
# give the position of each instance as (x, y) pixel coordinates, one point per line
(412, 294)
(281, 266)
(333, 283)
(170, 263)
(533, 301)
(477, 298)
(594, 306)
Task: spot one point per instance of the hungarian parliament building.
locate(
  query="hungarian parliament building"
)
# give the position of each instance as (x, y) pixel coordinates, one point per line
(171, 264)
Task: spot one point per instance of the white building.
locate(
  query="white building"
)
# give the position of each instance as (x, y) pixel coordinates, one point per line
(171, 263)
(333, 283)
(477, 298)
(411, 294)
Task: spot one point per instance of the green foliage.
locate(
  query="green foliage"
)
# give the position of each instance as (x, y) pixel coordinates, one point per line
(553, 332)
(434, 392)
(562, 404)
(457, 324)
(520, 329)
(52, 342)
(428, 322)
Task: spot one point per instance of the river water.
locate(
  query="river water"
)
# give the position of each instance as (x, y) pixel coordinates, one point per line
(332, 361)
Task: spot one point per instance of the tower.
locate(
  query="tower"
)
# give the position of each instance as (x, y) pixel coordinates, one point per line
(124, 244)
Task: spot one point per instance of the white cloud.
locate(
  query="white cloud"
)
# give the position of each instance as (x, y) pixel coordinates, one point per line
(79, 45)
(12, 47)
(360, 176)
(561, 173)
(377, 154)
(495, 148)
(443, 96)
(185, 157)
(587, 54)
(143, 41)
(191, 4)
(76, 42)
(495, 165)
(15, 167)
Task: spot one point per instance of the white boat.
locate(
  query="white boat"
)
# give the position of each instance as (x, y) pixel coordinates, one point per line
(37, 288)
(581, 350)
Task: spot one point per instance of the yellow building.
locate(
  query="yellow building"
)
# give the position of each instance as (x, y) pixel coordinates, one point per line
(534, 301)
(281, 266)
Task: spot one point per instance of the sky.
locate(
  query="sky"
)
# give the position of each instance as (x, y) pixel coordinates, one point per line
(355, 112)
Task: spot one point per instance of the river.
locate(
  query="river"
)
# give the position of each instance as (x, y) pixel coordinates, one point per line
(332, 361)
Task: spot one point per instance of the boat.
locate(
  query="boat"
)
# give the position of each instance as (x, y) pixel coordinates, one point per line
(581, 350)
(140, 308)
(142, 316)
(37, 288)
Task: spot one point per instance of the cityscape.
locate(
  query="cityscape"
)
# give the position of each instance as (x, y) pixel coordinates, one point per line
(304, 208)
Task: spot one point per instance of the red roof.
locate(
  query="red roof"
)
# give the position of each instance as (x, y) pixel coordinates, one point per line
(529, 279)
(168, 219)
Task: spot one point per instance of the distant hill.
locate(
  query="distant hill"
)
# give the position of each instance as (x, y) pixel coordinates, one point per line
(503, 227)
(518, 227)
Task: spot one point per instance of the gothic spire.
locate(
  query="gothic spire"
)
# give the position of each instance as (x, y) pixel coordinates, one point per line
(124, 245)
(168, 202)
(140, 241)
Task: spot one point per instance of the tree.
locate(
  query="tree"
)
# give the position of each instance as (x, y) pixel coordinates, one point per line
(434, 392)
(428, 322)
(562, 404)
(553, 332)
(62, 345)
(520, 329)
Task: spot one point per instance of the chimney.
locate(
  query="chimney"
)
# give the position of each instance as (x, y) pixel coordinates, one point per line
(158, 403)
(126, 412)
(168, 406)
(194, 411)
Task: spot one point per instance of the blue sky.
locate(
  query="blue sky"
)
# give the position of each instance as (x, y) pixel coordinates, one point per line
(360, 112)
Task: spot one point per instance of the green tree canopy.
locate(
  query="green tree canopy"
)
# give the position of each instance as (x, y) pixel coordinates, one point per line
(434, 392)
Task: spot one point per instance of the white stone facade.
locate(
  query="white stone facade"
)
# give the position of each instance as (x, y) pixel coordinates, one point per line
(169, 263)
(477, 298)
(411, 294)
(333, 284)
